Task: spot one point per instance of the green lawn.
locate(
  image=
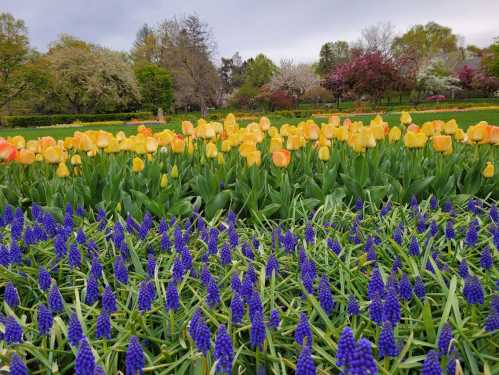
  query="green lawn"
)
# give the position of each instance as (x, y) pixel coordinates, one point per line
(464, 120)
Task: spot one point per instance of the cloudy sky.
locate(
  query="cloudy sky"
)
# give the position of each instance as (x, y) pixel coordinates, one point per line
(278, 28)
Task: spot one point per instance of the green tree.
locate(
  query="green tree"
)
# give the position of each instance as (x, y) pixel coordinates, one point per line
(259, 71)
(491, 59)
(332, 54)
(155, 86)
(21, 70)
(424, 42)
(89, 78)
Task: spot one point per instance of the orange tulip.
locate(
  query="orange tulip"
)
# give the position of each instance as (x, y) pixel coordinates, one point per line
(442, 143)
(25, 157)
(7, 151)
(281, 158)
(494, 135)
(178, 145)
(311, 131)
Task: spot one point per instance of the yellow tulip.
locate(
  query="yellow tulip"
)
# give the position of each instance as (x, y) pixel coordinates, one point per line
(460, 134)
(415, 140)
(273, 132)
(164, 181)
(264, 123)
(405, 118)
(178, 145)
(450, 127)
(311, 131)
(246, 147)
(341, 133)
(323, 141)
(394, 134)
(328, 130)
(211, 150)
(281, 158)
(334, 120)
(488, 171)
(174, 171)
(190, 147)
(220, 159)
(230, 121)
(62, 170)
(75, 159)
(378, 130)
(355, 142)
(120, 136)
(293, 143)
(324, 154)
(39, 157)
(226, 146)
(53, 154)
(442, 143)
(151, 144)
(428, 128)
(17, 141)
(103, 139)
(137, 164)
(113, 146)
(367, 137)
(254, 158)
(275, 144)
(149, 157)
(477, 133)
(33, 146)
(25, 157)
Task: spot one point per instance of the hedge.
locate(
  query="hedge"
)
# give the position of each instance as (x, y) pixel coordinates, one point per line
(46, 120)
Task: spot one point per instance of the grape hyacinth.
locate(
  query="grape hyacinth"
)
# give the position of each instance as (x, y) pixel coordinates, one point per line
(13, 331)
(473, 290)
(103, 326)
(56, 302)
(431, 364)
(387, 346)
(305, 364)
(17, 366)
(362, 361)
(274, 320)
(134, 360)
(353, 308)
(109, 300)
(45, 320)
(172, 299)
(237, 309)
(346, 348)
(257, 331)
(85, 361)
(444, 340)
(303, 331)
(223, 352)
(10, 295)
(75, 332)
(325, 296)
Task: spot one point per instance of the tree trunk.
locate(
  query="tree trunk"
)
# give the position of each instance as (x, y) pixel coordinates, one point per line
(203, 108)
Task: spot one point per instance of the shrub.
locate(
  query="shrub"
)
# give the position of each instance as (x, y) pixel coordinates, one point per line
(46, 120)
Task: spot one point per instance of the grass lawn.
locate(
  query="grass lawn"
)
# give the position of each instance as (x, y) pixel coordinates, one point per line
(464, 119)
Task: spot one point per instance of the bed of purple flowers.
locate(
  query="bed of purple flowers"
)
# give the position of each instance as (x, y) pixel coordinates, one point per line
(357, 290)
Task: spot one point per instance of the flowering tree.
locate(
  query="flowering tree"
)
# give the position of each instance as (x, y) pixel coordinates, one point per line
(294, 79)
(433, 81)
(465, 76)
(369, 73)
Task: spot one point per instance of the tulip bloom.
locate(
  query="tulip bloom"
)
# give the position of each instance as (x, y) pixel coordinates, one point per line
(264, 123)
(254, 158)
(25, 157)
(281, 158)
(75, 160)
(488, 171)
(62, 170)
(174, 171)
(137, 164)
(394, 134)
(405, 118)
(164, 181)
(7, 151)
(450, 127)
(53, 154)
(442, 143)
(187, 128)
(178, 145)
(324, 154)
(211, 150)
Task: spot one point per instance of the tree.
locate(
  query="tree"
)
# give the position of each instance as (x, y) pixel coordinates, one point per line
(232, 73)
(465, 76)
(21, 70)
(294, 79)
(332, 54)
(89, 78)
(491, 59)
(145, 48)
(369, 73)
(259, 71)
(425, 42)
(185, 47)
(155, 87)
(433, 80)
(378, 37)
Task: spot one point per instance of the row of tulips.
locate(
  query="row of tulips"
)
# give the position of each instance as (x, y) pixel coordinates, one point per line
(397, 290)
(259, 168)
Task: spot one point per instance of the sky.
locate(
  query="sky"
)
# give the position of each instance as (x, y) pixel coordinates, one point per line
(278, 28)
